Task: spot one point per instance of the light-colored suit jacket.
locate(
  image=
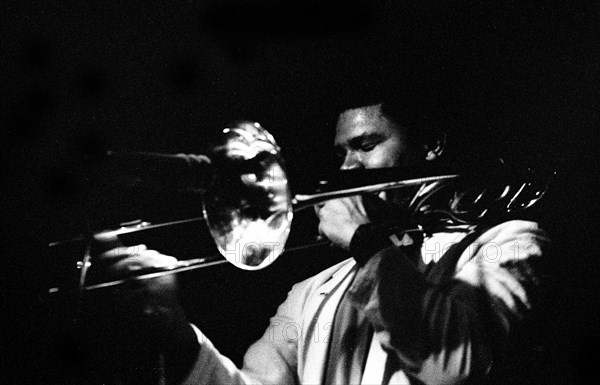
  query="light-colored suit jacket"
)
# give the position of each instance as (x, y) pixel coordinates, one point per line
(464, 321)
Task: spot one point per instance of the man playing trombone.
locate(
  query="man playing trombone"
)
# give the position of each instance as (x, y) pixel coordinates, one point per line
(440, 306)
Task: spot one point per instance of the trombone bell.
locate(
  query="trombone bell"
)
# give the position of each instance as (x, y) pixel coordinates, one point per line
(248, 207)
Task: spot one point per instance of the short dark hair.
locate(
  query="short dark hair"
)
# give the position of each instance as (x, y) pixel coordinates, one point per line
(400, 102)
(419, 127)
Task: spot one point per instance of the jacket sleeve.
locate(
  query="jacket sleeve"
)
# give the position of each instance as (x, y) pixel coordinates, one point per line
(447, 332)
(270, 360)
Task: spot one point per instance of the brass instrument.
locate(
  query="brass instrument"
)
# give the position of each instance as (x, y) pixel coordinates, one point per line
(248, 206)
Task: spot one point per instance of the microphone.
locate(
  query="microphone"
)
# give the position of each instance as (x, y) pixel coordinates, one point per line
(184, 172)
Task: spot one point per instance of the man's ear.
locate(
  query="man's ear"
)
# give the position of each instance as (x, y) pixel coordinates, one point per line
(436, 147)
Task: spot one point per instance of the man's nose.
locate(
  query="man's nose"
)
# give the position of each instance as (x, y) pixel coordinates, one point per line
(351, 161)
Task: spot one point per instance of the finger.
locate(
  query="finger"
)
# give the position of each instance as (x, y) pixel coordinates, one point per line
(318, 209)
(121, 252)
(353, 205)
(142, 261)
(322, 230)
(332, 206)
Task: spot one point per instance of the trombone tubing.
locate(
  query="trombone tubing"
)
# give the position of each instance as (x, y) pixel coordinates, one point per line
(179, 267)
(301, 201)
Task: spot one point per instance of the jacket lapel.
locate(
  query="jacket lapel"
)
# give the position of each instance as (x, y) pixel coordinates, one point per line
(317, 320)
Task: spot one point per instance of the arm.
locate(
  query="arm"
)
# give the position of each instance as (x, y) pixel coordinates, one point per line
(445, 332)
(146, 315)
(270, 360)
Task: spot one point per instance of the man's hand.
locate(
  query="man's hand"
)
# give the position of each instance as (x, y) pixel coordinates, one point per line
(151, 302)
(124, 261)
(339, 219)
(141, 320)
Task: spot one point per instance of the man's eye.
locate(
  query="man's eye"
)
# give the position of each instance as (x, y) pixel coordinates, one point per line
(366, 147)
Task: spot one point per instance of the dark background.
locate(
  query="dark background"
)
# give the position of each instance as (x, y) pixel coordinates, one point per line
(518, 78)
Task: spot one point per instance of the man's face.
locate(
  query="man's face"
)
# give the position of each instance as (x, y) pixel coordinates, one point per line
(365, 138)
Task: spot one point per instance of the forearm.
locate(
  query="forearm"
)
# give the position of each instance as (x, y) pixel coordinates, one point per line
(211, 367)
(262, 365)
(446, 331)
(270, 360)
(434, 329)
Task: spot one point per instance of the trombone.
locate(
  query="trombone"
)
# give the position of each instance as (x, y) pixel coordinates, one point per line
(249, 208)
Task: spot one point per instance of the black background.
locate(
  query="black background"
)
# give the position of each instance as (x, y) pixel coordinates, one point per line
(513, 77)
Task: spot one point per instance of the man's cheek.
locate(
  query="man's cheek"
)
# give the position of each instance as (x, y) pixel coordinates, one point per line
(380, 160)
